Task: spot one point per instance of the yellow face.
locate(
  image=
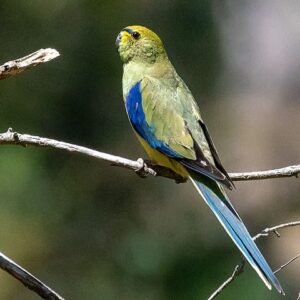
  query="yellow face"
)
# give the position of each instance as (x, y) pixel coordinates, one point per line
(138, 43)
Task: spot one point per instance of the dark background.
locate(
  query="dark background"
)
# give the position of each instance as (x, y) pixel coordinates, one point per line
(92, 231)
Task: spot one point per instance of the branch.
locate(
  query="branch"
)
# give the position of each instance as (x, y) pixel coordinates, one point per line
(287, 263)
(19, 65)
(239, 268)
(290, 171)
(237, 271)
(275, 229)
(139, 166)
(27, 279)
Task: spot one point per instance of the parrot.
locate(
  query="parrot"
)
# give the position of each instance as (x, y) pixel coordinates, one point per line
(167, 122)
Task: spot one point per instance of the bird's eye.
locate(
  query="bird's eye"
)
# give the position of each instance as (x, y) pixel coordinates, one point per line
(135, 35)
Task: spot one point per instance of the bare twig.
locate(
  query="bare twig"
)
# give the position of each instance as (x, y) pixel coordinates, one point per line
(287, 263)
(19, 65)
(139, 166)
(275, 229)
(27, 279)
(265, 232)
(237, 271)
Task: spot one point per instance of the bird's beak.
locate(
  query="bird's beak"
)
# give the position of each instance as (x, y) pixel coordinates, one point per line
(118, 39)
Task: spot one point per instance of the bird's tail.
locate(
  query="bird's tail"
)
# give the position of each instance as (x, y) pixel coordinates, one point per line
(215, 197)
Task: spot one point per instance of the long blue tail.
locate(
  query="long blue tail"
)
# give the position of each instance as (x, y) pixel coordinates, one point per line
(218, 202)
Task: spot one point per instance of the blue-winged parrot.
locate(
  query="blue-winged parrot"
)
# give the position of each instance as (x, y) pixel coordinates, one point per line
(167, 121)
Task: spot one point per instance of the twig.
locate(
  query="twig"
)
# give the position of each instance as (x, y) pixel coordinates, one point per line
(287, 263)
(263, 233)
(27, 279)
(275, 229)
(19, 65)
(237, 271)
(139, 166)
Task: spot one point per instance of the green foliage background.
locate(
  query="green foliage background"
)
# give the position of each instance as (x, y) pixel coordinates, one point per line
(91, 231)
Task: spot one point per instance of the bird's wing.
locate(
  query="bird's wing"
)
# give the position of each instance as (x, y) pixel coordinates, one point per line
(168, 119)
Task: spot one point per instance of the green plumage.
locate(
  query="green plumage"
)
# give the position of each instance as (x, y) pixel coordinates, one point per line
(168, 104)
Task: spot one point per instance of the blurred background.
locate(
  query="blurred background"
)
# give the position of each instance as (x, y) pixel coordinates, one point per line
(92, 231)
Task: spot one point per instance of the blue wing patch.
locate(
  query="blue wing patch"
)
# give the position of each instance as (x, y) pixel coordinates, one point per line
(134, 107)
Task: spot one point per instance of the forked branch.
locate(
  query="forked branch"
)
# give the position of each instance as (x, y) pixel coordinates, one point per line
(240, 267)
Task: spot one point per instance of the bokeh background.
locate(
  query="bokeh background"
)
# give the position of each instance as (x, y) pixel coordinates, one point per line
(92, 231)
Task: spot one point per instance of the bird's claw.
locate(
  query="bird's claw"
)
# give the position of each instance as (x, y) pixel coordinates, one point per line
(141, 170)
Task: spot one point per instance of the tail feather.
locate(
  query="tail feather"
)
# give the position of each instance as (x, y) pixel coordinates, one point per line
(216, 199)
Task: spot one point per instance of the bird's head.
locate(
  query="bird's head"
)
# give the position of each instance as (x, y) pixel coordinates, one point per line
(140, 44)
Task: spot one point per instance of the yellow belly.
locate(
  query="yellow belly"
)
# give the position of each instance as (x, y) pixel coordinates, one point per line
(163, 160)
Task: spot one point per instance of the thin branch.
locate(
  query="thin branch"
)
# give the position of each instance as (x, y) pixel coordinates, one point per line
(19, 65)
(287, 263)
(290, 171)
(237, 271)
(275, 229)
(240, 267)
(139, 166)
(27, 279)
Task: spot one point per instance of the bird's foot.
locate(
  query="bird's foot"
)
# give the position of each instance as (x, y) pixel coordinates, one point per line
(143, 171)
(151, 167)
